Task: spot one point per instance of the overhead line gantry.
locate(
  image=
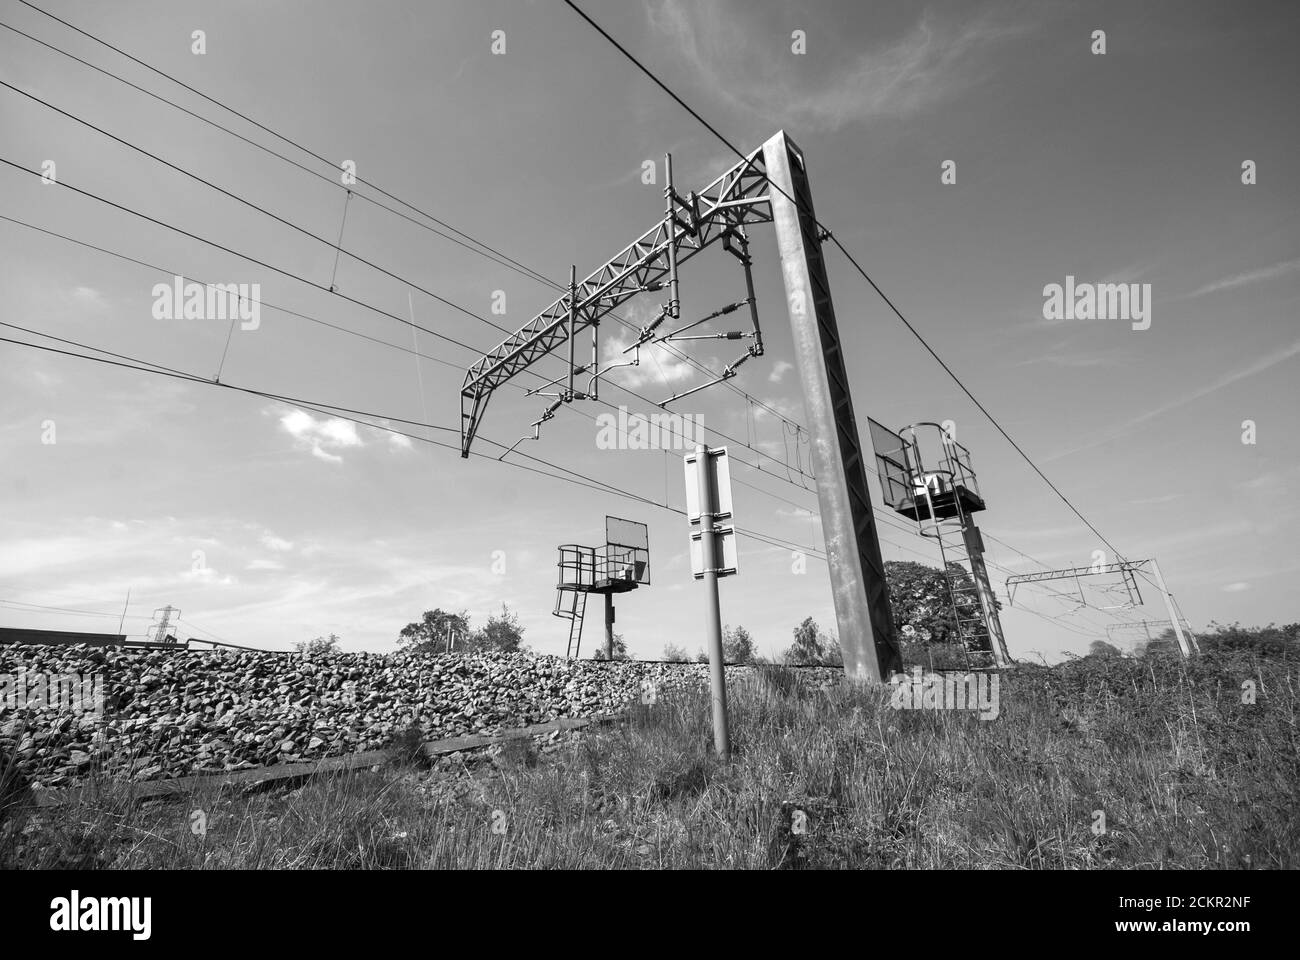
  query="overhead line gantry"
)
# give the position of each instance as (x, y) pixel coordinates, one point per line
(769, 185)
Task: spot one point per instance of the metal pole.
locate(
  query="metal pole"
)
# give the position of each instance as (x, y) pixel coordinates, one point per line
(712, 603)
(573, 320)
(595, 361)
(748, 262)
(674, 304)
(857, 571)
(1169, 607)
(609, 626)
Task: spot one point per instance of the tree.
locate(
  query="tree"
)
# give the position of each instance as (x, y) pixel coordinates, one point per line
(620, 649)
(1100, 648)
(920, 598)
(737, 645)
(1164, 642)
(318, 646)
(808, 646)
(676, 654)
(832, 655)
(813, 646)
(429, 634)
(501, 634)
(1270, 641)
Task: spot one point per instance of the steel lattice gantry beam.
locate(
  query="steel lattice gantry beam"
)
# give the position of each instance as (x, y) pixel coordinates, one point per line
(735, 198)
(1123, 566)
(769, 185)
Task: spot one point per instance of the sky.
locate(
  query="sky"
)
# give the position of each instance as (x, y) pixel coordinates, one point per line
(268, 523)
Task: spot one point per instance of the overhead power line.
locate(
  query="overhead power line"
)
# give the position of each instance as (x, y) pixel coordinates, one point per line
(487, 250)
(574, 477)
(361, 303)
(487, 253)
(165, 270)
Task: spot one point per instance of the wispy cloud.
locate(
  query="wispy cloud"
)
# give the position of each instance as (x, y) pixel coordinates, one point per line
(937, 58)
(1065, 357)
(1254, 369)
(1151, 501)
(657, 365)
(88, 295)
(1128, 274)
(1250, 276)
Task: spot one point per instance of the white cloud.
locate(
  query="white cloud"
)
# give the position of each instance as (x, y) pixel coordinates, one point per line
(265, 565)
(779, 370)
(272, 542)
(1266, 362)
(1250, 276)
(45, 379)
(1237, 587)
(323, 436)
(785, 409)
(87, 295)
(1064, 357)
(399, 441)
(207, 575)
(657, 365)
(938, 58)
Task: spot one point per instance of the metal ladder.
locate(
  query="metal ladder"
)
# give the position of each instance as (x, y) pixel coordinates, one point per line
(963, 594)
(574, 613)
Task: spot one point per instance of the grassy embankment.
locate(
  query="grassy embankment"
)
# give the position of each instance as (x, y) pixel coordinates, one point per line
(1188, 776)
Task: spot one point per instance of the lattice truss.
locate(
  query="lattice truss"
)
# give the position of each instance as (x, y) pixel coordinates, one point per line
(1109, 586)
(691, 223)
(1135, 605)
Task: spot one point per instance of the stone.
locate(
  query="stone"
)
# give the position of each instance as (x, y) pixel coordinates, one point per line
(235, 709)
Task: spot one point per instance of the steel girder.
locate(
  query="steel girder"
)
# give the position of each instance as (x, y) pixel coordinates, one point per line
(737, 197)
(1126, 567)
(857, 571)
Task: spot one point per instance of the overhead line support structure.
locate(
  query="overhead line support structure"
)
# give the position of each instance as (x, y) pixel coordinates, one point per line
(770, 185)
(689, 225)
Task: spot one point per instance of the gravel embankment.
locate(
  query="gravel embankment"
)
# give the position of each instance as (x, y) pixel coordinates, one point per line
(169, 714)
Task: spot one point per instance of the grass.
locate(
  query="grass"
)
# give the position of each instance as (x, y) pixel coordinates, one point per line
(1188, 776)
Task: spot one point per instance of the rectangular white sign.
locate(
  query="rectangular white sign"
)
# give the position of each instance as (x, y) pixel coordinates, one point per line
(720, 463)
(724, 552)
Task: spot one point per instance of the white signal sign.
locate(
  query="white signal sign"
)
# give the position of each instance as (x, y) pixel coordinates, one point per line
(724, 537)
(720, 464)
(724, 551)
